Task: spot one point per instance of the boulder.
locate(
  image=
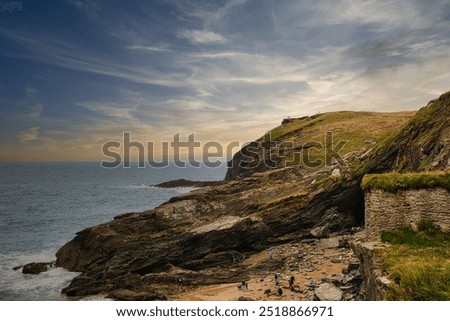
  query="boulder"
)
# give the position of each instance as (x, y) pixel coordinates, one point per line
(328, 292)
(36, 267)
(320, 231)
(336, 172)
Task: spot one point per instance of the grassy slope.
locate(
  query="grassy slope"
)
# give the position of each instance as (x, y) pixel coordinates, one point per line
(418, 262)
(392, 182)
(360, 130)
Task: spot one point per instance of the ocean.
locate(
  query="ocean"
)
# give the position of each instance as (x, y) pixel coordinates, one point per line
(43, 205)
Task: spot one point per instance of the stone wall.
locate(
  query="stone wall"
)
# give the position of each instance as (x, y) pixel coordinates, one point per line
(385, 210)
(375, 281)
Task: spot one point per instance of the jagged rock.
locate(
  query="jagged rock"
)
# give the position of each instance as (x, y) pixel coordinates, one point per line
(328, 292)
(346, 287)
(330, 243)
(36, 268)
(344, 243)
(128, 295)
(309, 241)
(384, 281)
(409, 153)
(336, 172)
(336, 280)
(320, 231)
(353, 266)
(371, 269)
(188, 183)
(352, 279)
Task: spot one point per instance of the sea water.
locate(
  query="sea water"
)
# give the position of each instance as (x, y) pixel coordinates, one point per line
(43, 205)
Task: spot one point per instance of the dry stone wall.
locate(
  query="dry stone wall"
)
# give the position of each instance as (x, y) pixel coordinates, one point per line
(385, 210)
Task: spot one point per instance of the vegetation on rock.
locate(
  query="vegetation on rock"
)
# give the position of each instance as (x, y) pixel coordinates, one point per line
(391, 182)
(307, 142)
(418, 262)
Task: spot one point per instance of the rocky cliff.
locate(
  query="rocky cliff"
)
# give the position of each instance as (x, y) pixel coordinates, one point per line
(423, 144)
(304, 174)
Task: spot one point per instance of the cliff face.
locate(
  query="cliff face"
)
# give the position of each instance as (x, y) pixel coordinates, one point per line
(268, 199)
(423, 144)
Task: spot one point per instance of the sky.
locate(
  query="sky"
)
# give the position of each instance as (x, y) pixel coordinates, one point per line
(78, 73)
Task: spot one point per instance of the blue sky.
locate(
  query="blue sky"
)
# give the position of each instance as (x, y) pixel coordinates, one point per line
(77, 73)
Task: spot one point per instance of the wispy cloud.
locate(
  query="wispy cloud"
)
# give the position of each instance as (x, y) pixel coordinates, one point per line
(202, 36)
(58, 52)
(29, 135)
(149, 48)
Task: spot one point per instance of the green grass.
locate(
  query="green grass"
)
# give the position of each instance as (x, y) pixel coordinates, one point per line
(359, 130)
(391, 182)
(418, 262)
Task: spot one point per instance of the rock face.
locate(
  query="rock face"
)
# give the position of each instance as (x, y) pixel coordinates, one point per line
(375, 283)
(205, 236)
(320, 231)
(188, 183)
(423, 144)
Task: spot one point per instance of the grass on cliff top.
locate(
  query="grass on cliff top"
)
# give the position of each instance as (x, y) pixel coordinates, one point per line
(347, 125)
(391, 182)
(418, 262)
(359, 130)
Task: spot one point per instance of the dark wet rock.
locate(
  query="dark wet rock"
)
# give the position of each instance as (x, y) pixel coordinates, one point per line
(188, 183)
(336, 280)
(296, 289)
(37, 268)
(353, 266)
(352, 279)
(129, 295)
(309, 241)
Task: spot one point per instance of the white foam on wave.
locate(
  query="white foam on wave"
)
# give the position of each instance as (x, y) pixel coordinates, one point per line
(46, 286)
(183, 190)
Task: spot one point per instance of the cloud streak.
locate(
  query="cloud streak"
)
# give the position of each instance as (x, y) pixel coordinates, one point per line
(202, 36)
